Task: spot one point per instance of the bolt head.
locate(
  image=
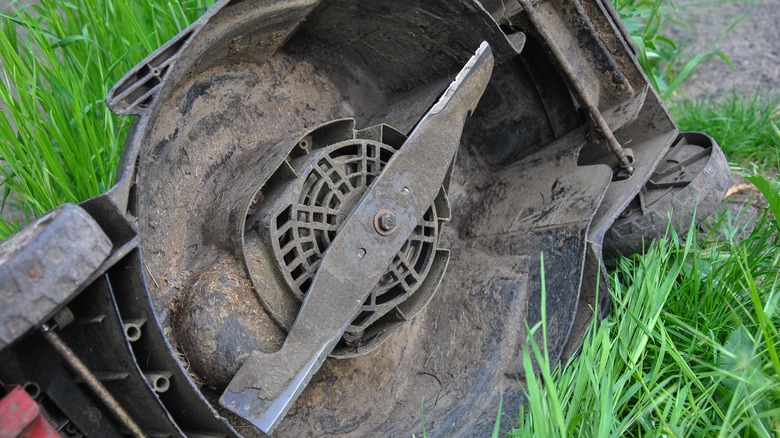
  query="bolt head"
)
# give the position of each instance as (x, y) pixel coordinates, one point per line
(387, 221)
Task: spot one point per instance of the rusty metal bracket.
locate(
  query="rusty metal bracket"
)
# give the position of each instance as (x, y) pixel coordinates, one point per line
(596, 119)
(91, 380)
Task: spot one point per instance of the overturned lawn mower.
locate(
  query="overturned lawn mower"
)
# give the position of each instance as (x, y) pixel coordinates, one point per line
(372, 183)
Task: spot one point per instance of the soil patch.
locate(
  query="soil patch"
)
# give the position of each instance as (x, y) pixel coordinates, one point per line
(753, 46)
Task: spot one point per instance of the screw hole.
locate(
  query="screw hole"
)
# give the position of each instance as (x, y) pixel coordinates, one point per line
(32, 389)
(133, 333)
(161, 384)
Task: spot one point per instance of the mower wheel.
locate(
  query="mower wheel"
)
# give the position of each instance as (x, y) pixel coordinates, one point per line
(688, 184)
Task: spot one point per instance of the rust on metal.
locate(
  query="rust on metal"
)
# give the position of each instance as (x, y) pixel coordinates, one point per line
(597, 121)
(91, 381)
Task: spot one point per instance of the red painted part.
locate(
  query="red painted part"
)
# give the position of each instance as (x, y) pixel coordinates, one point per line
(21, 418)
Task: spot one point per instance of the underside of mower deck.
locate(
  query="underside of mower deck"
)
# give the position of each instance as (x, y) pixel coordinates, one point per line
(385, 185)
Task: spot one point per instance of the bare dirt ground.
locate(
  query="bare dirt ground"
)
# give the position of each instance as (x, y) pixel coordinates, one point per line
(753, 46)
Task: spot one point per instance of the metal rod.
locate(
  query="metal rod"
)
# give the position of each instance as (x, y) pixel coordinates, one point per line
(94, 384)
(597, 120)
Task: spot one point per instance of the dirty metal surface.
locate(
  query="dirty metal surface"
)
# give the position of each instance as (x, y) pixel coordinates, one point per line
(294, 218)
(223, 121)
(465, 347)
(241, 86)
(266, 385)
(260, 105)
(45, 266)
(219, 128)
(579, 53)
(688, 184)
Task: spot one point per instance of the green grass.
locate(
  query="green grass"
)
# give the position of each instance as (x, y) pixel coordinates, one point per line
(690, 348)
(742, 125)
(657, 52)
(659, 55)
(691, 345)
(58, 141)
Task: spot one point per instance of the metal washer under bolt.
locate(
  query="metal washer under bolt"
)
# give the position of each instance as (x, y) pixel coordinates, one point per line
(385, 222)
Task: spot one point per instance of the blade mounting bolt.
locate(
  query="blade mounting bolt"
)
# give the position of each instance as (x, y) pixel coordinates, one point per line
(384, 222)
